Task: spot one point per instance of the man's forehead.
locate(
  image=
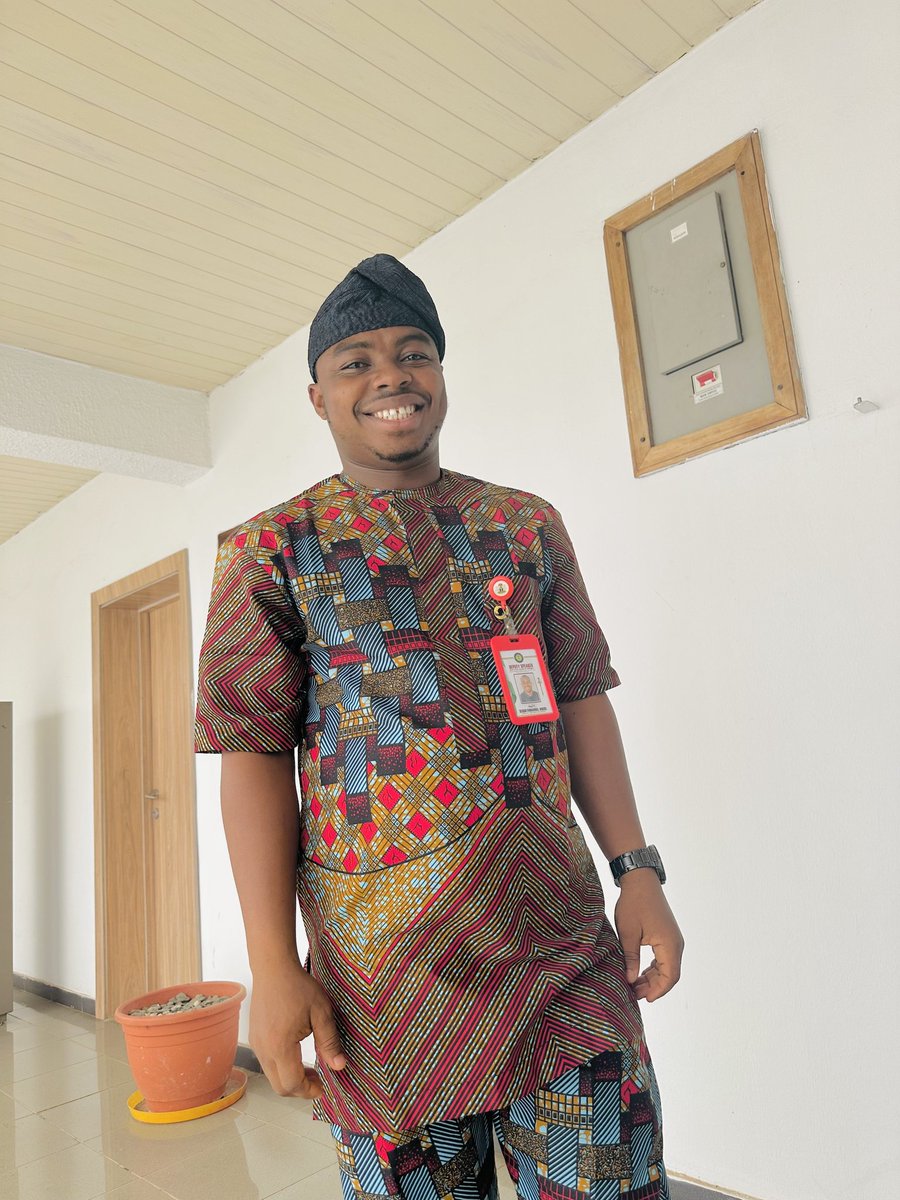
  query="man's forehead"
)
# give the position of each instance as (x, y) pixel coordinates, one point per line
(395, 335)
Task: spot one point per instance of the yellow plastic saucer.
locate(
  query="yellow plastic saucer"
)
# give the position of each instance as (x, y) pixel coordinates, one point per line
(234, 1089)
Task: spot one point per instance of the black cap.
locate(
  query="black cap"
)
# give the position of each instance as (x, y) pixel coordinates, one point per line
(378, 293)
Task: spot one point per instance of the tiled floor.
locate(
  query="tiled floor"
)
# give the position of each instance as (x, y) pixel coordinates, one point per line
(66, 1133)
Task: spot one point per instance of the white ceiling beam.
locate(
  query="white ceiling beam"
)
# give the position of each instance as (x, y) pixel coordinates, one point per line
(58, 411)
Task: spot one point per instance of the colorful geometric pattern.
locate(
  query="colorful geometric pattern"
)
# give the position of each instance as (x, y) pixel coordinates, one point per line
(594, 1133)
(376, 608)
(453, 910)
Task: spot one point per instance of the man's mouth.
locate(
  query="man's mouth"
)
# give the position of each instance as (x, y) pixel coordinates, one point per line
(396, 414)
(401, 413)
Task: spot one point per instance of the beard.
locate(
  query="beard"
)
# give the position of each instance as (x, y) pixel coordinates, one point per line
(403, 456)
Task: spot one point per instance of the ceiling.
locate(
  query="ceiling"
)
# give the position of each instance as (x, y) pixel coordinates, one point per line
(29, 488)
(183, 182)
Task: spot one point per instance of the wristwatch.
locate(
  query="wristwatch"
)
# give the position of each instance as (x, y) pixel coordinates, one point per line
(647, 856)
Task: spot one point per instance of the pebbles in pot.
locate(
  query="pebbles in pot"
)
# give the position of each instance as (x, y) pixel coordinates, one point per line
(178, 1004)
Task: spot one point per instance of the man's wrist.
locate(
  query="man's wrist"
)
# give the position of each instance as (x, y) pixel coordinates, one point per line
(640, 877)
(633, 861)
(266, 961)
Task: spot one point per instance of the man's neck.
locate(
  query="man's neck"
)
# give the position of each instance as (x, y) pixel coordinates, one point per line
(394, 477)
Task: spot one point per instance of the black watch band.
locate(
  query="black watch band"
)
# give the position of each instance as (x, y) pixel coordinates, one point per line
(647, 856)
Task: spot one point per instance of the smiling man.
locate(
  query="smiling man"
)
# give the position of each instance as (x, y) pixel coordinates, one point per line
(463, 978)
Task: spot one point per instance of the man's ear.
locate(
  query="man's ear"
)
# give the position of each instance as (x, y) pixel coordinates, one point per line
(317, 400)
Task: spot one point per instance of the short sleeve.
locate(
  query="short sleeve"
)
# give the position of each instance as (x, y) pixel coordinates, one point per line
(577, 651)
(252, 670)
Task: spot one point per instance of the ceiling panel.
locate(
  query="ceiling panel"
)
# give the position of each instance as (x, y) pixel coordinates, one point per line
(30, 488)
(183, 182)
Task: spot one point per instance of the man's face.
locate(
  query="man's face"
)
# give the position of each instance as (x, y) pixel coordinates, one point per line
(382, 393)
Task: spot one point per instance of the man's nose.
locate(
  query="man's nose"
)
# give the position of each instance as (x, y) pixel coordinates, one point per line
(392, 375)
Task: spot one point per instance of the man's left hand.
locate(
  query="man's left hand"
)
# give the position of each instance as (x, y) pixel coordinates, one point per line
(643, 918)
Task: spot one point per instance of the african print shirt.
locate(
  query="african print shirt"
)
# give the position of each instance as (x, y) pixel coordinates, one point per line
(453, 910)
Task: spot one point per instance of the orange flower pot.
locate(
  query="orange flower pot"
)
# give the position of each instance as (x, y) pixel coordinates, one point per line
(183, 1060)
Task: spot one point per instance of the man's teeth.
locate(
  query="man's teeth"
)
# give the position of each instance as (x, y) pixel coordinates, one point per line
(395, 414)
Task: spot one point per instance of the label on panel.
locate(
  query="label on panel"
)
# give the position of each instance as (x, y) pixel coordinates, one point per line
(707, 383)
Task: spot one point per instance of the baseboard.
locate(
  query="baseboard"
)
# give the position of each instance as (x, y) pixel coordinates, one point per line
(49, 991)
(684, 1187)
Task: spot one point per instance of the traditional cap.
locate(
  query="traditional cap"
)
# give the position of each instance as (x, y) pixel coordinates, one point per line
(376, 294)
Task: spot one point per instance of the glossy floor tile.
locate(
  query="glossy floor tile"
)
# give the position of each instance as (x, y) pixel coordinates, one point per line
(66, 1132)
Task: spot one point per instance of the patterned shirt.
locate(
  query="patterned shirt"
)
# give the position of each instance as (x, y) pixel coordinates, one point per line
(453, 910)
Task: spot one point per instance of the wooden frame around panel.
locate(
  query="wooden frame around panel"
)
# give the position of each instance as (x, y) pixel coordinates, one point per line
(154, 583)
(787, 404)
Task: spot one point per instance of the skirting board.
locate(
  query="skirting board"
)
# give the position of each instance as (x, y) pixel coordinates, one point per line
(49, 991)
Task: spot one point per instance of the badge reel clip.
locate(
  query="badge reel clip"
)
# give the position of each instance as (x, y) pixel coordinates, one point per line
(500, 589)
(520, 664)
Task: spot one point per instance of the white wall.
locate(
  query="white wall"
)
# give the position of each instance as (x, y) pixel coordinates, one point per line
(749, 596)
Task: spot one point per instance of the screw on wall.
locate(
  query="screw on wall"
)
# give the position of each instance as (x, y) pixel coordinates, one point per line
(864, 406)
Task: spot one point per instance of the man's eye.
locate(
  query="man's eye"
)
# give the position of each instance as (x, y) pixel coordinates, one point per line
(352, 366)
(416, 355)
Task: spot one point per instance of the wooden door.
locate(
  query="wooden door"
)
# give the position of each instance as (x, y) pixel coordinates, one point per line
(145, 809)
(121, 826)
(168, 823)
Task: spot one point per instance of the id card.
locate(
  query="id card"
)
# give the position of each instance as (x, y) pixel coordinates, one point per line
(524, 679)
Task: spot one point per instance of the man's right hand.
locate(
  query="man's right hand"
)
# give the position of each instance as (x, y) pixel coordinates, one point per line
(287, 1005)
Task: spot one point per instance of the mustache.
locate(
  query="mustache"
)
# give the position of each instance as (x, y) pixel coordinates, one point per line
(403, 392)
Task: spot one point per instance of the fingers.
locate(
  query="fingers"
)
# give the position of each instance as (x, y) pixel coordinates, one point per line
(630, 938)
(287, 1073)
(290, 1077)
(310, 1087)
(667, 964)
(662, 974)
(644, 918)
(327, 1038)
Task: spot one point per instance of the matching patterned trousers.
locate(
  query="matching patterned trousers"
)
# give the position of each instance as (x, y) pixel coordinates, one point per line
(593, 1133)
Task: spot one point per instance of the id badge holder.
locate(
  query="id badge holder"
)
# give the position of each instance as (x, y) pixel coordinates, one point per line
(520, 664)
(524, 678)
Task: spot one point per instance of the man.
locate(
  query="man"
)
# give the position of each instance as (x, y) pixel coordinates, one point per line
(463, 977)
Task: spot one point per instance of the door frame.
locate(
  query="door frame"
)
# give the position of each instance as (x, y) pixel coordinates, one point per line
(165, 581)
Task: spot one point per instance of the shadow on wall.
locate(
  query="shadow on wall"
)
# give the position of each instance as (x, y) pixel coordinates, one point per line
(47, 868)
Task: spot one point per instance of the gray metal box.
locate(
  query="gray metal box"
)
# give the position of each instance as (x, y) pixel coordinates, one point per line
(702, 346)
(692, 306)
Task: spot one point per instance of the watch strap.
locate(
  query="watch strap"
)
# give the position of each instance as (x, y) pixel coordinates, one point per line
(646, 856)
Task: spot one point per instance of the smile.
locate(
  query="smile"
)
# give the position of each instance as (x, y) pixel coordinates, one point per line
(396, 414)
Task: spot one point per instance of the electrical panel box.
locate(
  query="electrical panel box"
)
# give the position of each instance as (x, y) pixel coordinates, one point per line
(701, 336)
(690, 288)
(705, 342)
